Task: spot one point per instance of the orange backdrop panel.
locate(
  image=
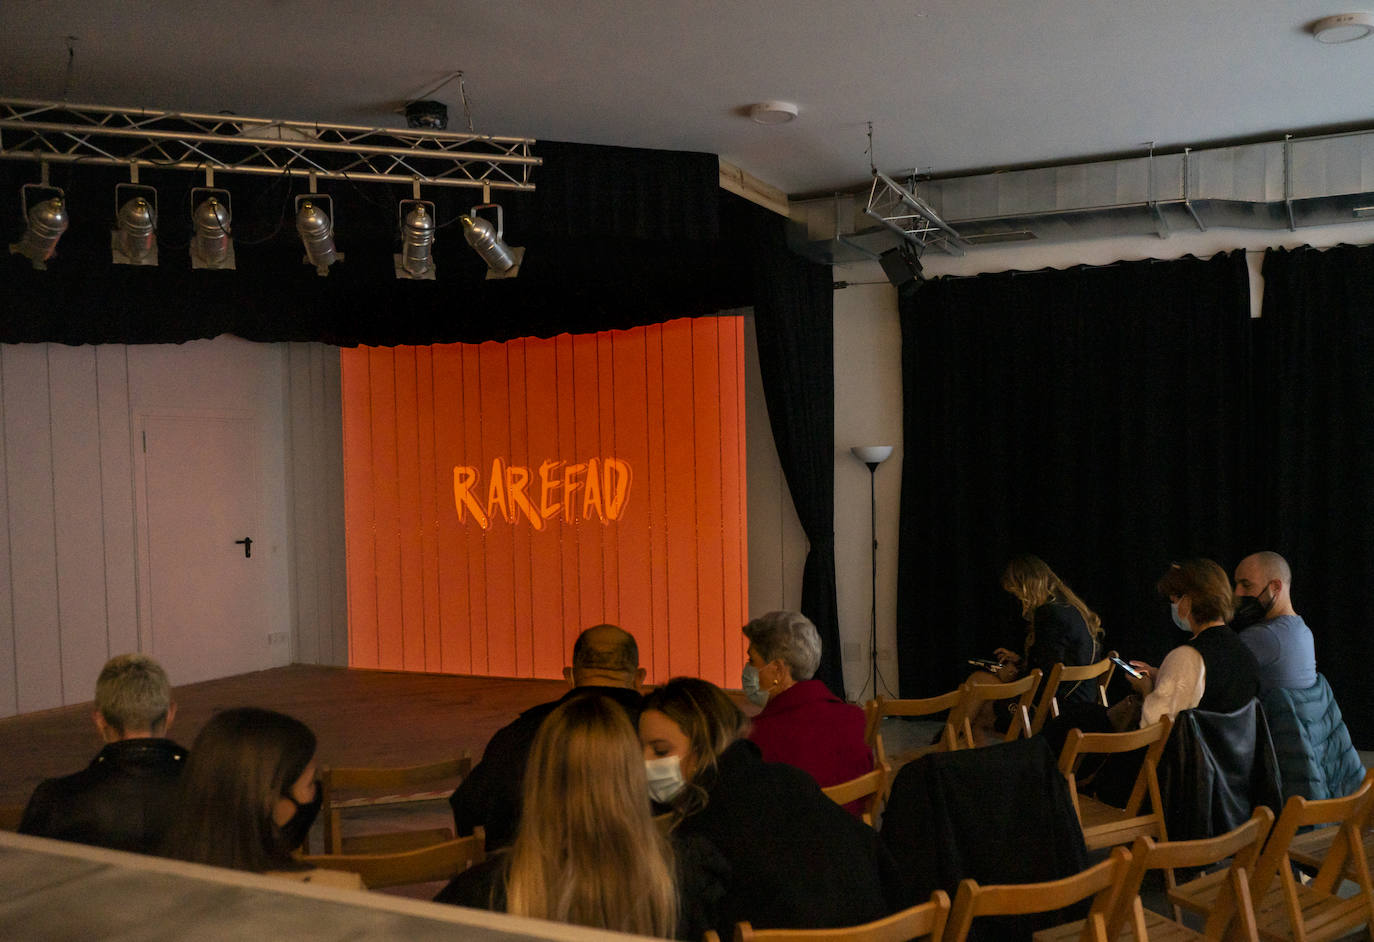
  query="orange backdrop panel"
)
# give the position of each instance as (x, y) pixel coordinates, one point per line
(499, 498)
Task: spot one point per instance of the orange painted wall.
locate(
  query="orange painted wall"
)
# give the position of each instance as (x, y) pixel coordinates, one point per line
(655, 542)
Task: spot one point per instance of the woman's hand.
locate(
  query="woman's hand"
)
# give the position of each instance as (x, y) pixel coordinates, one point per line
(1145, 683)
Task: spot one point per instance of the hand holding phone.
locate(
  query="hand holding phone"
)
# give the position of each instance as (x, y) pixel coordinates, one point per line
(986, 663)
(1134, 672)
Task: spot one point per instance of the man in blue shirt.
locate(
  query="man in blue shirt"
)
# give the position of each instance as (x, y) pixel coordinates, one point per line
(1266, 622)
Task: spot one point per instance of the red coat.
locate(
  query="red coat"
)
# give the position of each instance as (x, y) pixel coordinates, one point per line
(809, 727)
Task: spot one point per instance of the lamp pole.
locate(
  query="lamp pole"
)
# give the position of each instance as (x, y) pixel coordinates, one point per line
(872, 456)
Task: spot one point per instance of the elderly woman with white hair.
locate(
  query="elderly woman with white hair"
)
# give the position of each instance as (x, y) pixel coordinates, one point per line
(802, 722)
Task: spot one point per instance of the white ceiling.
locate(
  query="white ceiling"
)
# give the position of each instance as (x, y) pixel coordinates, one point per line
(950, 85)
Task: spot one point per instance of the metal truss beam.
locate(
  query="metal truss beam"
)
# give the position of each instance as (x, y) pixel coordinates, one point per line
(57, 132)
(906, 214)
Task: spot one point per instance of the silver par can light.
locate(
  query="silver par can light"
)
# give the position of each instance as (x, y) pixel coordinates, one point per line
(46, 221)
(211, 245)
(503, 261)
(417, 239)
(315, 226)
(134, 240)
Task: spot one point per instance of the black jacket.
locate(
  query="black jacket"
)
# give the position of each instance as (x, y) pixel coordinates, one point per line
(123, 799)
(490, 795)
(794, 858)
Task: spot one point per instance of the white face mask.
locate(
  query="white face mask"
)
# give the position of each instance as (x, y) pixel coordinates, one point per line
(749, 680)
(1179, 620)
(665, 778)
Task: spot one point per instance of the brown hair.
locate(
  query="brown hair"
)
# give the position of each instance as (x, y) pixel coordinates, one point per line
(1205, 583)
(243, 761)
(587, 850)
(711, 722)
(1034, 584)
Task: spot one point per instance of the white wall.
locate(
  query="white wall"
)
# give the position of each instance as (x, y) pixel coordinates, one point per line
(68, 543)
(868, 397)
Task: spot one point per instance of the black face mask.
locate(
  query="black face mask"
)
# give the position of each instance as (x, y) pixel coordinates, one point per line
(1250, 610)
(295, 831)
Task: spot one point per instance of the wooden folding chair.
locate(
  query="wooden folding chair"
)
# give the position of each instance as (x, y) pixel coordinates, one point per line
(1102, 882)
(10, 817)
(876, 710)
(1310, 848)
(870, 785)
(1106, 825)
(1231, 916)
(1311, 912)
(1099, 674)
(1021, 692)
(398, 787)
(926, 921)
(426, 865)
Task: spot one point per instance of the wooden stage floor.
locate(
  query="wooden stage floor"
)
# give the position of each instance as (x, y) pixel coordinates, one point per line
(361, 717)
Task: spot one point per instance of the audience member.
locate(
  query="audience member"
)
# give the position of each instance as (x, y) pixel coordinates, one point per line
(1276, 634)
(1213, 669)
(587, 850)
(1060, 628)
(795, 859)
(248, 797)
(605, 661)
(802, 722)
(123, 797)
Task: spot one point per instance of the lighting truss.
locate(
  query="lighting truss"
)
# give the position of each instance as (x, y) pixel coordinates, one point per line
(906, 214)
(58, 132)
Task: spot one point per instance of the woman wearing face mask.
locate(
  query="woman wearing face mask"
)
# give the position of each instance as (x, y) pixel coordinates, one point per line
(802, 722)
(248, 796)
(795, 858)
(1212, 669)
(587, 850)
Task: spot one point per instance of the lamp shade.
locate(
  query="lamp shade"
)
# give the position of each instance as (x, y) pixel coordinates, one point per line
(872, 454)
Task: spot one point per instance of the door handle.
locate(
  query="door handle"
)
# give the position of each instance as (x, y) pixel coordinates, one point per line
(247, 544)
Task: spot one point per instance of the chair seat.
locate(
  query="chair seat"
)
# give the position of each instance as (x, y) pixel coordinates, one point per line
(1158, 929)
(1106, 825)
(1325, 917)
(1309, 849)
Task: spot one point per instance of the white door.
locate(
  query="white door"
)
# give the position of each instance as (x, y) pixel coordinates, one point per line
(202, 588)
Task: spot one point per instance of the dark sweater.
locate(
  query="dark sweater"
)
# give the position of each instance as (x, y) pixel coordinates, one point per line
(1232, 678)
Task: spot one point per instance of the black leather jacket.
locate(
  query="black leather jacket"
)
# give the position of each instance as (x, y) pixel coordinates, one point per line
(123, 799)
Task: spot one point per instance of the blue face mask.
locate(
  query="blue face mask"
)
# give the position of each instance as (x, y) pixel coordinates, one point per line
(1179, 619)
(749, 680)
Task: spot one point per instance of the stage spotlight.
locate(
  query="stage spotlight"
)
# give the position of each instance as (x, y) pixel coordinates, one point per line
(46, 223)
(417, 237)
(211, 246)
(316, 227)
(135, 241)
(502, 260)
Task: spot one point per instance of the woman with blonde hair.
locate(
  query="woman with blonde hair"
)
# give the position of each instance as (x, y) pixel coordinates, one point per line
(587, 850)
(1060, 628)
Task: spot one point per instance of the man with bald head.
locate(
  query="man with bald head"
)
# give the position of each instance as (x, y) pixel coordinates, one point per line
(605, 662)
(1270, 628)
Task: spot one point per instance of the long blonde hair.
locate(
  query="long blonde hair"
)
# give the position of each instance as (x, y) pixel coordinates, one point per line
(1034, 584)
(588, 851)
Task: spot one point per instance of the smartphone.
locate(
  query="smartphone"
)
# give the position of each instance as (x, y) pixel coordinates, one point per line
(1137, 674)
(987, 664)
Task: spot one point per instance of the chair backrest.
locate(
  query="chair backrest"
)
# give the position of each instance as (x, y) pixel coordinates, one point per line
(1022, 691)
(426, 865)
(1344, 859)
(870, 785)
(1100, 674)
(1079, 743)
(1102, 882)
(926, 921)
(875, 710)
(1232, 901)
(400, 782)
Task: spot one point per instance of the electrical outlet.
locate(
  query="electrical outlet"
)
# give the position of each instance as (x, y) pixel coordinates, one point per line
(277, 639)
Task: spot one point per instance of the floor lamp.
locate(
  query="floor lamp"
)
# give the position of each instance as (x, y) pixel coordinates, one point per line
(873, 455)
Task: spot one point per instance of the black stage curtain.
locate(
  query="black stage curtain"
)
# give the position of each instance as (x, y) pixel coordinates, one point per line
(793, 318)
(1313, 422)
(1096, 417)
(614, 237)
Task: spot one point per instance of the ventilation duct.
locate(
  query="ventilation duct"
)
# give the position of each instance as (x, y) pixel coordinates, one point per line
(1276, 185)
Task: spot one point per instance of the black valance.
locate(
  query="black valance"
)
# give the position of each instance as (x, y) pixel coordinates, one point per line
(614, 237)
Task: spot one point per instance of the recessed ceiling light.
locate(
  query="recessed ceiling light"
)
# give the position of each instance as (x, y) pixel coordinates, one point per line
(1343, 27)
(773, 112)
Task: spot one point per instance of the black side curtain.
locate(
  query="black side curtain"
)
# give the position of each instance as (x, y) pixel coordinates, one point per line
(1313, 421)
(793, 318)
(1096, 417)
